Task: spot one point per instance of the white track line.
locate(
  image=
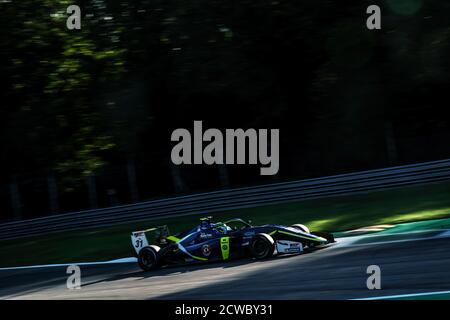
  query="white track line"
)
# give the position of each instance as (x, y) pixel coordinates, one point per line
(117, 261)
(351, 241)
(405, 295)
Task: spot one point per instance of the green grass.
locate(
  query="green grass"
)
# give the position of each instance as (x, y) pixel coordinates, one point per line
(333, 214)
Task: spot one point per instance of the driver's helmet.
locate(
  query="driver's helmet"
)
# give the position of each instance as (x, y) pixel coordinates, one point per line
(222, 228)
(205, 224)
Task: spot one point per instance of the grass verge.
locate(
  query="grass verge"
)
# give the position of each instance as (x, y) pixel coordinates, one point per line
(333, 214)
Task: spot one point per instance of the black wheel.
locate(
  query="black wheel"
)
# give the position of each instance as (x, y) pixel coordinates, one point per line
(148, 259)
(261, 246)
(301, 227)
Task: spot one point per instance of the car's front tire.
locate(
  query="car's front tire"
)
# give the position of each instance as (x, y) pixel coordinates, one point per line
(148, 258)
(262, 246)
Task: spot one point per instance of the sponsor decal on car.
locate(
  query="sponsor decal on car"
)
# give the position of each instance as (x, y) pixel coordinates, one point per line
(225, 247)
(289, 247)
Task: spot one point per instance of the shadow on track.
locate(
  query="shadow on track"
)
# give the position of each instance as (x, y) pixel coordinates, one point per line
(337, 274)
(184, 269)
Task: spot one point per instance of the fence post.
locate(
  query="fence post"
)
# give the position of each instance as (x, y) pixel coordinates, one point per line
(15, 199)
(53, 193)
(131, 171)
(92, 189)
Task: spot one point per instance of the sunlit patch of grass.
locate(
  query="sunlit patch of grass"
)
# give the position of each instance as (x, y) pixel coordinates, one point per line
(418, 215)
(324, 224)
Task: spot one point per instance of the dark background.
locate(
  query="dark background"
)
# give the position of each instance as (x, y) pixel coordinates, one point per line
(91, 108)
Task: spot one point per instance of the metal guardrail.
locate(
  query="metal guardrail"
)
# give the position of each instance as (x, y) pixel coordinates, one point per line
(239, 198)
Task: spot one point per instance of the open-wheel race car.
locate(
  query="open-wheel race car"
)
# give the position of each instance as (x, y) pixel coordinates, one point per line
(221, 241)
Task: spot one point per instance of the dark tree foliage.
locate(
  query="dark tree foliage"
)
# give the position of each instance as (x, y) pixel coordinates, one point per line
(84, 102)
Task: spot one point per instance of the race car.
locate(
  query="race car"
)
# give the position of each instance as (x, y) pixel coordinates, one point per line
(222, 241)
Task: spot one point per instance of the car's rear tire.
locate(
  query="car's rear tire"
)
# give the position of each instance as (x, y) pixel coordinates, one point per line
(262, 246)
(301, 227)
(148, 258)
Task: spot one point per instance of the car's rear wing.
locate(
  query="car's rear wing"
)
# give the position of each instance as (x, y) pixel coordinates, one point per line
(139, 239)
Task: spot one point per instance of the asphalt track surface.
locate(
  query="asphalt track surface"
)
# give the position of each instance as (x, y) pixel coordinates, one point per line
(335, 272)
